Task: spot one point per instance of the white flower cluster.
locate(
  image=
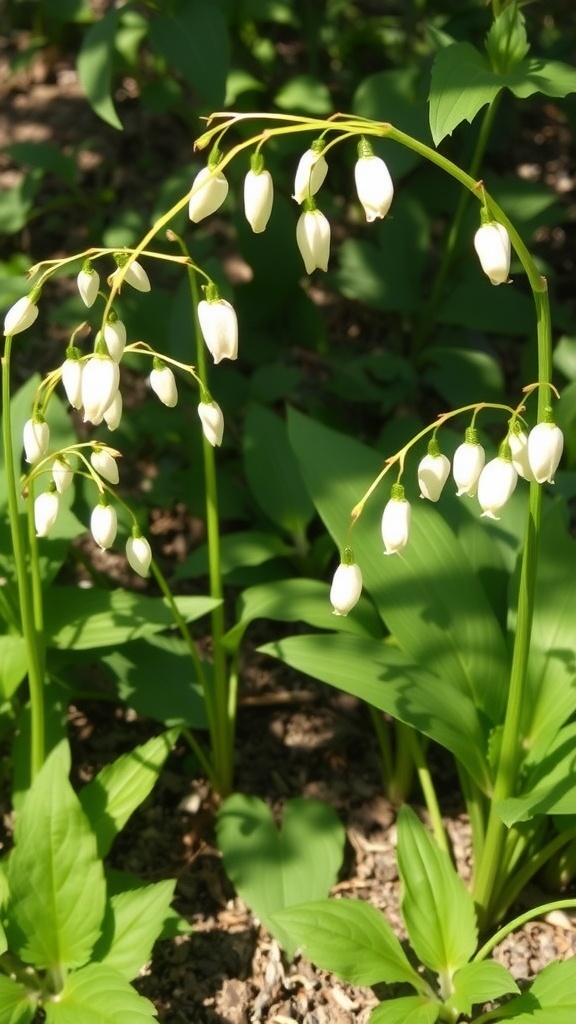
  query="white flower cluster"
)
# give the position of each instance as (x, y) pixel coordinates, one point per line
(535, 457)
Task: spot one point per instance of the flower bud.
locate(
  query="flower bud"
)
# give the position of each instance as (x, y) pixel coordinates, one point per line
(134, 274)
(45, 512)
(545, 445)
(105, 464)
(258, 198)
(346, 588)
(492, 244)
(219, 327)
(209, 190)
(88, 282)
(115, 338)
(104, 525)
(313, 238)
(433, 472)
(373, 183)
(496, 485)
(20, 316)
(310, 173)
(113, 413)
(518, 442)
(139, 555)
(100, 380)
(71, 371)
(36, 437)
(62, 474)
(163, 384)
(212, 421)
(396, 521)
(468, 463)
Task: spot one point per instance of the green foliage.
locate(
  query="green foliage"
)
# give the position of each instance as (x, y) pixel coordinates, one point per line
(272, 868)
(355, 941)
(74, 947)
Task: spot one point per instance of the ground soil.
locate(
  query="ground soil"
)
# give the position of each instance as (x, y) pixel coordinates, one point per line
(294, 738)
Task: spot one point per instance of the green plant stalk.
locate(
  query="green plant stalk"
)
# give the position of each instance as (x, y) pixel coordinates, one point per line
(529, 869)
(412, 741)
(224, 710)
(32, 638)
(36, 581)
(517, 922)
(382, 730)
(488, 883)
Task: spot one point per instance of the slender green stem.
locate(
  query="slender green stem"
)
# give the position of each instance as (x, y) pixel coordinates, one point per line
(224, 713)
(382, 729)
(22, 569)
(412, 740)
(490, 879)
(517, 922)
(476, 808)
(529, 869)
(36, 581)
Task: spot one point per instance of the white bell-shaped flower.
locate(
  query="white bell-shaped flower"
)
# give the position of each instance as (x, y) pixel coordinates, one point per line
(139, 555)
(20, 316)
(134, 274)
(492, 244)
(163, 384)
(496, 485)
(45, 512)
(62, 474)
(100, 380)
(545, 446)
(258, 195)
(468, 463)
(113, 413)
(104, 525)
(518, 441)
(104, 462)
(212, 420)
(219, 326)
(88, 282)
(310, 173)
(71, 371)
(396, 521)
(115, 338)
(208, 192)
(346, 587)
(36, 437)
(433, 472)
(374, 185)
(313, 238)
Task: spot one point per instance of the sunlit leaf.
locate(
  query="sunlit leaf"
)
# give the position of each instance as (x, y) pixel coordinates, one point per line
(95, 64)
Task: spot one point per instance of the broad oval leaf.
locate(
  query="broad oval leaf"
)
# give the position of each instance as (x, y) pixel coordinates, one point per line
(133, 921)
(479, 982)
(350, 938)
(16, 1006)
(99, 995)
(273, 868)
(95, 61)
(436, 905)
(406, 1010)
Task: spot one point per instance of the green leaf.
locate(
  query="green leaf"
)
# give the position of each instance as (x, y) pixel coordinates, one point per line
(551, 999)
(13, 664)
(507, 43)
(84, 619)
(386, 678)
(305, 94)
(474, 302)
(429, 596)
(248, 548)
(57, 888)
(436, 905)
(120, 787)
(462, 83)
(16, 1005)
(17, 203)
(132, 923)
(99, 995)
(273, 473)
(548, 787)
(480, 982)
(384, 271)
(299, 600)
(272, 868)
(193, 39)
(406, 1010)
(45, 156)
(95, 61)
(350, 938)
(398, 90)
(137, 670)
